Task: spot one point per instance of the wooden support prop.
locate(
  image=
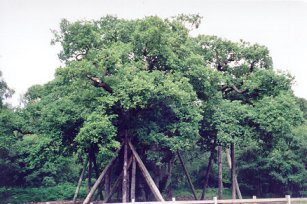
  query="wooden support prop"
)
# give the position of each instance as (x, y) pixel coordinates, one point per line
(125, 173)
(236, 176)
(220, 172)
(107, 182)
(80, 181)
(99, 193)
(146, 174)
(133, 172)
(89, 179)
(115, 185)
(233, 171)
(202, 197)
(187, 175)
(98, 181)
(288, 197)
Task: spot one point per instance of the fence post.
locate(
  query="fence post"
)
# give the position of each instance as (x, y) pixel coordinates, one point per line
(254, 198)
(288, 199)
(214, 200)
(173, 199)
(132, 200)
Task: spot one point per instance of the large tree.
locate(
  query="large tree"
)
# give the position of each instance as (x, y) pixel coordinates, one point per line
(148, 79)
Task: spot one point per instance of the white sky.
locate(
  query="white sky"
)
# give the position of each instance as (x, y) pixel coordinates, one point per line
(27, 58)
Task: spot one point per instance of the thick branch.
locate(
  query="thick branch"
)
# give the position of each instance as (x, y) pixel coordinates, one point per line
(226, 88)
(237, 90)
(98, 83)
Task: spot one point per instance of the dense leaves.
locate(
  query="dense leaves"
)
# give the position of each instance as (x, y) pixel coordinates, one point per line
(148, 79)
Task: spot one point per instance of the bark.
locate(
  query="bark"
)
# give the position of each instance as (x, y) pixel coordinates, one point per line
(207, 175)
(89, 179)
(80, 181)
(187, 175)
(233, 171)
(98, 83)
(220, 173)
(236, 177)
(168, 177)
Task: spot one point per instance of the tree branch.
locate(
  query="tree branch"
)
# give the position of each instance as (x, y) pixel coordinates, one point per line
(226, 88)
(98, 83)
(237, 90)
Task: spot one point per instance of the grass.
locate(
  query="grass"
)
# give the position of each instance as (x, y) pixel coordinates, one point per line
(210, 193)
(24, 195)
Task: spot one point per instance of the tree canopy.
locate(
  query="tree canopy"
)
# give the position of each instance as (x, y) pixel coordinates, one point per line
(168, 91)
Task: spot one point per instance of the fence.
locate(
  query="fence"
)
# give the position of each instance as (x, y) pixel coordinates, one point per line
(254, 200)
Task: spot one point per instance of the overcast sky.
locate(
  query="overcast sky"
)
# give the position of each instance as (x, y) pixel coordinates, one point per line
(27, 58)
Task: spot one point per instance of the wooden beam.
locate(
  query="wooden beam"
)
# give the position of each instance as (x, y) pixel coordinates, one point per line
(220, 172)
(187, 175)
(202, 197)
(233, 170)
(115, 185)
(80, 181)
(98, 181)
(133, 172)
(236, 176)
(125, 173)
(146, 174)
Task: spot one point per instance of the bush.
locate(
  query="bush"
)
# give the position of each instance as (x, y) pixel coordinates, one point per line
(63, 191)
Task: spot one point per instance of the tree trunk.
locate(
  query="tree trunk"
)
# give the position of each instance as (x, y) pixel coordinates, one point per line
(236, 177)
(187, 175)
(233, 170)
(125, 171)
(220, 174)
(89, 179)
(168, 177)
(207, 175)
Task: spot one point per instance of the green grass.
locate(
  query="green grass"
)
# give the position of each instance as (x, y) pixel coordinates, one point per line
(210, 193)
(24, 195)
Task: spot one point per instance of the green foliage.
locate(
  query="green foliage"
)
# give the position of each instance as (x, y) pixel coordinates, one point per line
(168, 91)
(60, 192)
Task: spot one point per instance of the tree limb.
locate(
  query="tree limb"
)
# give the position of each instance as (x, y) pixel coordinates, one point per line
(98, 83)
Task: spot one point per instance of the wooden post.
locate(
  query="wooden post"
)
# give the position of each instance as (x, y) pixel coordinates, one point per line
(202, 197)
(146, 175)
(288, 199)
(133, 172)
(89, 179)
(233, 171)
(254, 198)
(187, 175)
(107, 182)
(80, 181)
(115, 185)
(125, 172)
(99, 193)
(214, 200)
(220, 172)
(98, 181)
